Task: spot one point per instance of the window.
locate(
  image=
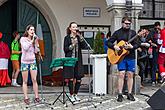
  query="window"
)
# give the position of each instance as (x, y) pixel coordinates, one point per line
(159, 9)
(153, 9)
(89, 31)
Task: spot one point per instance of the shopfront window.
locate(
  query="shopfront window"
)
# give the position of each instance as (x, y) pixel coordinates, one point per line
(153, 9)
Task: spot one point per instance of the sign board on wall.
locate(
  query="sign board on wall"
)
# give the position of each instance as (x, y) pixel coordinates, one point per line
(91, 12)
(88, 34)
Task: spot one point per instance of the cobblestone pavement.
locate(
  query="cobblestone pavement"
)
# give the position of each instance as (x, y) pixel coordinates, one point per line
(11, 98)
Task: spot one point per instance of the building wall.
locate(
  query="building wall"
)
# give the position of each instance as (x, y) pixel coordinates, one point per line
(59, 13)
(66, 11)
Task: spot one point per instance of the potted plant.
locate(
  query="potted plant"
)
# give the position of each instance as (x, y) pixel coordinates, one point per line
(99, 65)
(98, 45)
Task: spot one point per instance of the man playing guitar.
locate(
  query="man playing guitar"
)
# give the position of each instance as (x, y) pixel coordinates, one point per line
(127, 64)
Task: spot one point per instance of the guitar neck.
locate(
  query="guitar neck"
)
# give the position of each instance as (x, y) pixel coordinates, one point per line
(132, 38)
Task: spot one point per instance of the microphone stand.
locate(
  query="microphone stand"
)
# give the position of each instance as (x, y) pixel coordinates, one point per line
(42, 100)
(89, 75)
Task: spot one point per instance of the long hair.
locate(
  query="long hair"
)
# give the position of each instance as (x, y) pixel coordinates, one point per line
(68, 32)
(26, 31)
(108, 34)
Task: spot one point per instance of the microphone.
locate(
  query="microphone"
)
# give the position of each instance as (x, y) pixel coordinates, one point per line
(35, 36)
(78, 31)
(83, 39)
(79, 34)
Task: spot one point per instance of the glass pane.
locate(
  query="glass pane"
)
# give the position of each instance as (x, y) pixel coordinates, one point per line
(89, 37)
(146, 12)
(159, 1)
(159, 9)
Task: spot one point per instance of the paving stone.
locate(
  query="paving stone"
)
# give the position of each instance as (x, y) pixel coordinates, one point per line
(13, 100)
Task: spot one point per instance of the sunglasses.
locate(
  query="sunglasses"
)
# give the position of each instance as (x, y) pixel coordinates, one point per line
(127, 23)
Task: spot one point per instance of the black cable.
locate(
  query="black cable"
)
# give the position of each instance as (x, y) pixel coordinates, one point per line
(145, 95)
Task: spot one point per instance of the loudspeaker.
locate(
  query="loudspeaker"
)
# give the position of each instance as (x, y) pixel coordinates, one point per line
(157, 100)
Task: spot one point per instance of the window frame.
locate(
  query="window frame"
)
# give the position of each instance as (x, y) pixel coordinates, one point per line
(154, 2)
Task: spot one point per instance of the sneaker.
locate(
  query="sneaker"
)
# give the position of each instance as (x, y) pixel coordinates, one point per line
(15, 84)
(153, 84)
(27, 101)
(130, 97)
(120, 98)
(36, 100)
(72, 99)
(163, 81)
(77, 98)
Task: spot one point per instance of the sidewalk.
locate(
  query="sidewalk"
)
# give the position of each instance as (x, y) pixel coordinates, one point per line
(11, 98)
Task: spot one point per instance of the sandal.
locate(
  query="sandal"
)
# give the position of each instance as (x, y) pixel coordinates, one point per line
(36, 100)
(27, 101)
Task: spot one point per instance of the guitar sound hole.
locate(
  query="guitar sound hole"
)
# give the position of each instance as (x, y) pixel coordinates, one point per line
(120, 52)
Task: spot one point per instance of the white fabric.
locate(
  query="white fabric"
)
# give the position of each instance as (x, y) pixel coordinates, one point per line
(3, 63)
(163, 74)
(159, 41)
(162, 49)
(145, 44)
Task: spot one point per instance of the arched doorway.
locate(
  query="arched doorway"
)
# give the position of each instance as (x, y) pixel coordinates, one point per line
(16, 15)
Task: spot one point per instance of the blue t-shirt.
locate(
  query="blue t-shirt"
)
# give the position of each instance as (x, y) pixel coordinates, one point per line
(105, 46)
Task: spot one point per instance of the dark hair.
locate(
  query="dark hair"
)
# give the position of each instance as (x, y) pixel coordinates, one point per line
(140, 30)
(15, 33)
(157, 23)
(126, 18)
(68, 30)
(108, 34)
(102, 35)
(27, 28)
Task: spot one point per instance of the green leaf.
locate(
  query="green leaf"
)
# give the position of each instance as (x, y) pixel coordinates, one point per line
(98, 44)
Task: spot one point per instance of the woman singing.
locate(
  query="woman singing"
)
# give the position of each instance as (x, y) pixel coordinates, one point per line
(28, 61)
(73, 43)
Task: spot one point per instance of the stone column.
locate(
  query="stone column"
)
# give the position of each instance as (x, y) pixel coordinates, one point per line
(135, 13)
(117, 12)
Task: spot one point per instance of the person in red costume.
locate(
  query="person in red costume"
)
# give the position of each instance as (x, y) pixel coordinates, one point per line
(161, 57)
(4, 56)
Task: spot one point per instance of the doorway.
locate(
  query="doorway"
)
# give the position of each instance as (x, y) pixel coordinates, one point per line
(15, 16)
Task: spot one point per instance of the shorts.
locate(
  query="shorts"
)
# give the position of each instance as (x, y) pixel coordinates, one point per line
(15, 64)
(127, 65)
(27, 67)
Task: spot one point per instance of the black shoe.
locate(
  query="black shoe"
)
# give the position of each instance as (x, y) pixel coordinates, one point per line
(120, 98)
(130, 97)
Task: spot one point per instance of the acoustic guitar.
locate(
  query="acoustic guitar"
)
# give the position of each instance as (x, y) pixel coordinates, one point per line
(115, 56)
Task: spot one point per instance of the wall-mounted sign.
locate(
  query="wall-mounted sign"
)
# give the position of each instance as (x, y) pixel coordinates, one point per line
(88, 34)
(91, 12)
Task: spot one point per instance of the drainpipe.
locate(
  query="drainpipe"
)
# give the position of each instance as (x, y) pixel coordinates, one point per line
(128, 5)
